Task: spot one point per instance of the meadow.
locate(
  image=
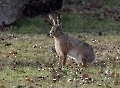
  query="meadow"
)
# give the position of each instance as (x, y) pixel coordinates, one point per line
(28, 60)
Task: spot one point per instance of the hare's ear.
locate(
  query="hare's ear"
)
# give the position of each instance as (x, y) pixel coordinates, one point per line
(59, 17)
(51, 17)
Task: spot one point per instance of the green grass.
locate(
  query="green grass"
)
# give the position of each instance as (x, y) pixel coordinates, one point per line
(33, 63)
(27, 61)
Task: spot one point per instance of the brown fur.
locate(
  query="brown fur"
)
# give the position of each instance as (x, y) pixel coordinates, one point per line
(67, 45)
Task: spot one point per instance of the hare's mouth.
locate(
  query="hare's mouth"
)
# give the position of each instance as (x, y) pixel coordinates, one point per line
(51, 34)
(48, 34)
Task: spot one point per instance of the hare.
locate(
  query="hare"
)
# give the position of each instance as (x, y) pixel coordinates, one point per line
(66, 45)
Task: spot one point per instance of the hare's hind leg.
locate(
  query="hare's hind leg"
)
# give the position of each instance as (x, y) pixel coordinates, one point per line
(82, 59)
(84, 62)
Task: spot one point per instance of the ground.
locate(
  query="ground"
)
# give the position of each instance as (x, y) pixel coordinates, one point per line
(28, 61)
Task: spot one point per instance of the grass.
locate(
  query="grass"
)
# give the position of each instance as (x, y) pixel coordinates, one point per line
(34, 58)
(26, 60)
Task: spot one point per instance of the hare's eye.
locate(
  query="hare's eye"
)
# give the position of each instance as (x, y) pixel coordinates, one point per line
(53, 31)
